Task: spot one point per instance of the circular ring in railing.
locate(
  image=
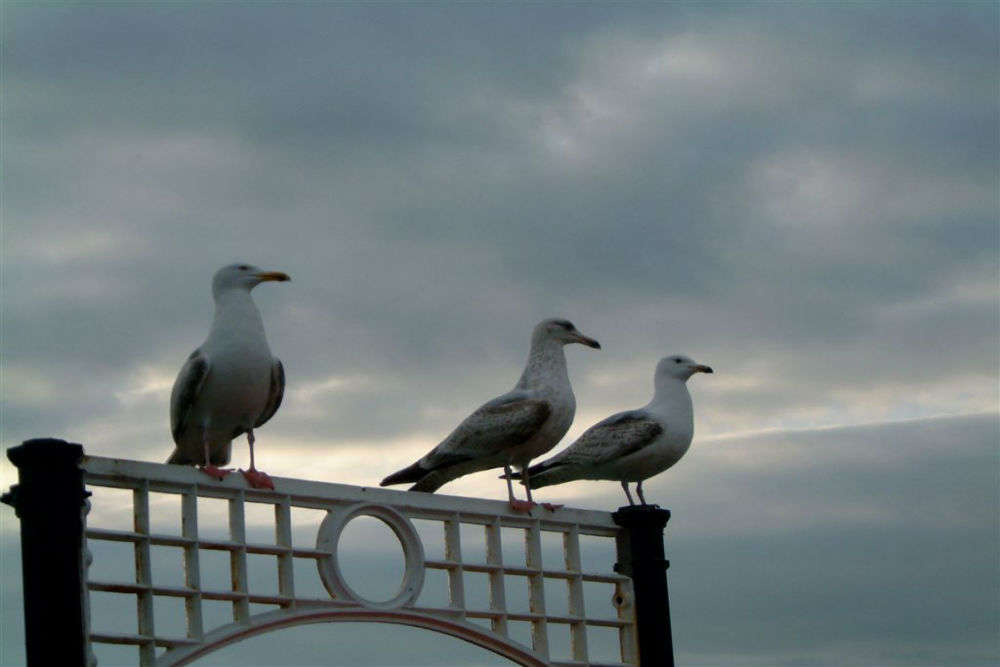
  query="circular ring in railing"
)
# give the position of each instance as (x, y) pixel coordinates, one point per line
(330, 573)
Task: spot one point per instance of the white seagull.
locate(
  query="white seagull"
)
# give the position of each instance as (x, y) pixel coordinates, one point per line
(630, 446)
(513, 428)
(231, 384)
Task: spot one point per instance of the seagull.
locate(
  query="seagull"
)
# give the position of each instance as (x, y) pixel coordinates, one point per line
(630, 446)
(231, 384)
(511, 429)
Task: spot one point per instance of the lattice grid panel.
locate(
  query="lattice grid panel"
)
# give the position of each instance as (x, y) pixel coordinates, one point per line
(217, 559)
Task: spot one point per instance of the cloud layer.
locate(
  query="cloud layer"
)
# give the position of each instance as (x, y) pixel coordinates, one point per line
(802, 196)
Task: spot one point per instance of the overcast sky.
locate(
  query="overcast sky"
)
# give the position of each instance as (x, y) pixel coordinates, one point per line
(802, 196)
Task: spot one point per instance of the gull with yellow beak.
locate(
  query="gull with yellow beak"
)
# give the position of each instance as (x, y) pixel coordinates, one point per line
(513, 428)
(630, 446)
(231, 384)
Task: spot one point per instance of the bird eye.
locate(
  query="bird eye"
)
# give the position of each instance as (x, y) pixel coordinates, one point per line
(243, 267)
(677, 360)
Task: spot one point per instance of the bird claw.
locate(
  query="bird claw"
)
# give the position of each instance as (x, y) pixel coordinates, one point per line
(216, 473)
(551, 507)
(524, 506)
(258, 479)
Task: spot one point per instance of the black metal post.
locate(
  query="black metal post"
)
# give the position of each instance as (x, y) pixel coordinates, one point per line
(49, 500)
(641, 557)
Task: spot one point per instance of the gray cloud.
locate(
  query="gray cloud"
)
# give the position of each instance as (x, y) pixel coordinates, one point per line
(802, 196)
(662, 177)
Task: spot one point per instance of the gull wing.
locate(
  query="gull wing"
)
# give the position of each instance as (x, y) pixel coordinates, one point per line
(186, 389)
(613, 438)
(274, 395)
(502, 423)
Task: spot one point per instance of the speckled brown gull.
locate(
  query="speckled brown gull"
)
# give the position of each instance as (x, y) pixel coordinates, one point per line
(511, 429)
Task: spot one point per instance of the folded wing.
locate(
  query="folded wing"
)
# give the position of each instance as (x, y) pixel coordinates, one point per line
(611, 439)
(274, 394)
(183, 397)
(502, 423)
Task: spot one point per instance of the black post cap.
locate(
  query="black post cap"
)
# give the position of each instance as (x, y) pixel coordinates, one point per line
(635, 515)
(45, 451)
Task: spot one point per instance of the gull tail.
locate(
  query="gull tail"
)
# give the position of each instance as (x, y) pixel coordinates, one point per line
(543, 474)
(431, 481)
(178, 458)
(219, 456)
(412, 473)
(436, 471)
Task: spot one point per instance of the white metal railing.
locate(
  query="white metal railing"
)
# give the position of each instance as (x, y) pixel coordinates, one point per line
(486, 620)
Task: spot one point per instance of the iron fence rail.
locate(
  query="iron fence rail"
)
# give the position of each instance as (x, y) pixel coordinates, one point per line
(451, 512)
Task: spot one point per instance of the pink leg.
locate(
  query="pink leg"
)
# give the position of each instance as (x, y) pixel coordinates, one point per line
(211, 470)
(515, 504)
(627, 494)
(527, 485)
(256, 478)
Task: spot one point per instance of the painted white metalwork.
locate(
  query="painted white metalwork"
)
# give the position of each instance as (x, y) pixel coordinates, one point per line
(413, 553)
(487, 622)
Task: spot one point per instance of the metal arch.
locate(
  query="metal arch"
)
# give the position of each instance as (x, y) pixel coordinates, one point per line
(279, 620)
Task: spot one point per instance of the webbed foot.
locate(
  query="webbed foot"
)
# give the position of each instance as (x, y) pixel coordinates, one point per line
(217, 473)
(524, 506)
(258, 479)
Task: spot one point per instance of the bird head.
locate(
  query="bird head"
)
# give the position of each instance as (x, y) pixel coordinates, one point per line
(563, 332)
(680, 367)
(243, 276)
